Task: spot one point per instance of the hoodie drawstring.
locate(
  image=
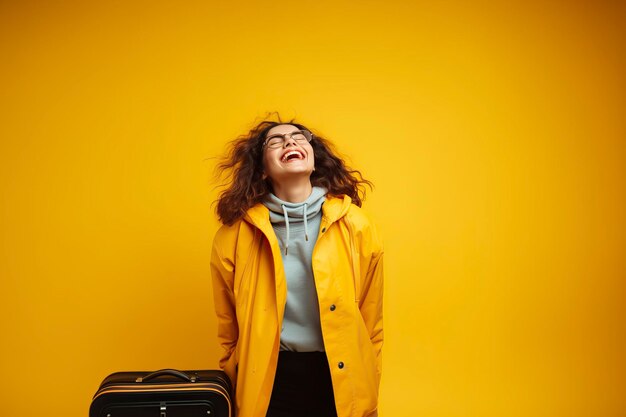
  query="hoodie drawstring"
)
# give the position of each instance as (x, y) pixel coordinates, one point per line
(306, 232)
(287, 225)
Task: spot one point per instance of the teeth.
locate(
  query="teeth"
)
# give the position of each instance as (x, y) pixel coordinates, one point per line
(291, 153)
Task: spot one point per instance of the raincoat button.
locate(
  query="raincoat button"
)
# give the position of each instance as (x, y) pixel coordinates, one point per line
(332, 307)
(340, 364)
(323, 229)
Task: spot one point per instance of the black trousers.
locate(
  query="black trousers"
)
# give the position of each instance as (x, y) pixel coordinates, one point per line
(302, 386)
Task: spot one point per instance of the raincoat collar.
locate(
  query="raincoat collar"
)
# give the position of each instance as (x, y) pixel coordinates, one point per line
(333, 209)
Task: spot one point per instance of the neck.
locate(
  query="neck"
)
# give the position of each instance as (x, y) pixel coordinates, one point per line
(294, 190)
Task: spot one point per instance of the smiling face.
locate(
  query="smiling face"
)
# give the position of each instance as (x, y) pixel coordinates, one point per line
(292, 159)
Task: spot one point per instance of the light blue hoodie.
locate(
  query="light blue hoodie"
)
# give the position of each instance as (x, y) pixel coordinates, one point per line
(296, 226)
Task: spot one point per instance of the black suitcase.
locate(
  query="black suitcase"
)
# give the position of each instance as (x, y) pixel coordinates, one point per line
(164, 393)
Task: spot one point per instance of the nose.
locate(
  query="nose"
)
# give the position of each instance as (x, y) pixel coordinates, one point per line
(288, 140)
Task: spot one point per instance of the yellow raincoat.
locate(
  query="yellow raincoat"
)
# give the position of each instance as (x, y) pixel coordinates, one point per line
(250, 291)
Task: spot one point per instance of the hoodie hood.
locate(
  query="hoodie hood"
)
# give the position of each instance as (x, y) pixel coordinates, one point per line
(283, 212)
(333, 209)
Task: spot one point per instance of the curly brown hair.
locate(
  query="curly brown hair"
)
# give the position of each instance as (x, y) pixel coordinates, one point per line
(243, 168)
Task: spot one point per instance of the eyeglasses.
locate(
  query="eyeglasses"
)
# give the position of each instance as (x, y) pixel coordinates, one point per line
(278, 140)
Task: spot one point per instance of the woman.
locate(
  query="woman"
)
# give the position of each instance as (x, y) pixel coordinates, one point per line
(297, 279)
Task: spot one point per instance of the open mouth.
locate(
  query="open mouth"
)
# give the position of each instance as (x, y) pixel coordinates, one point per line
(292, 156)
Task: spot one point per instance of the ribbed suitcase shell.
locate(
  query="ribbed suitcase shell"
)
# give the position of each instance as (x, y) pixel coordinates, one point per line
(166, 393)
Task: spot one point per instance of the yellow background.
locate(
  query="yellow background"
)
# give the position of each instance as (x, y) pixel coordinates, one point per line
(494, 133)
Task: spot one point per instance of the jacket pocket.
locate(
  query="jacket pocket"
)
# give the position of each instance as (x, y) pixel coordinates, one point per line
(373, 413)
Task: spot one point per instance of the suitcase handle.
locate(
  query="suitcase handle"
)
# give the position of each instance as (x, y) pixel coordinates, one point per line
(170, 372)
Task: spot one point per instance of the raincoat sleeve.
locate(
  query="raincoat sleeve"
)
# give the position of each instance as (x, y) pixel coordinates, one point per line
(222, 273)
(371, 303)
